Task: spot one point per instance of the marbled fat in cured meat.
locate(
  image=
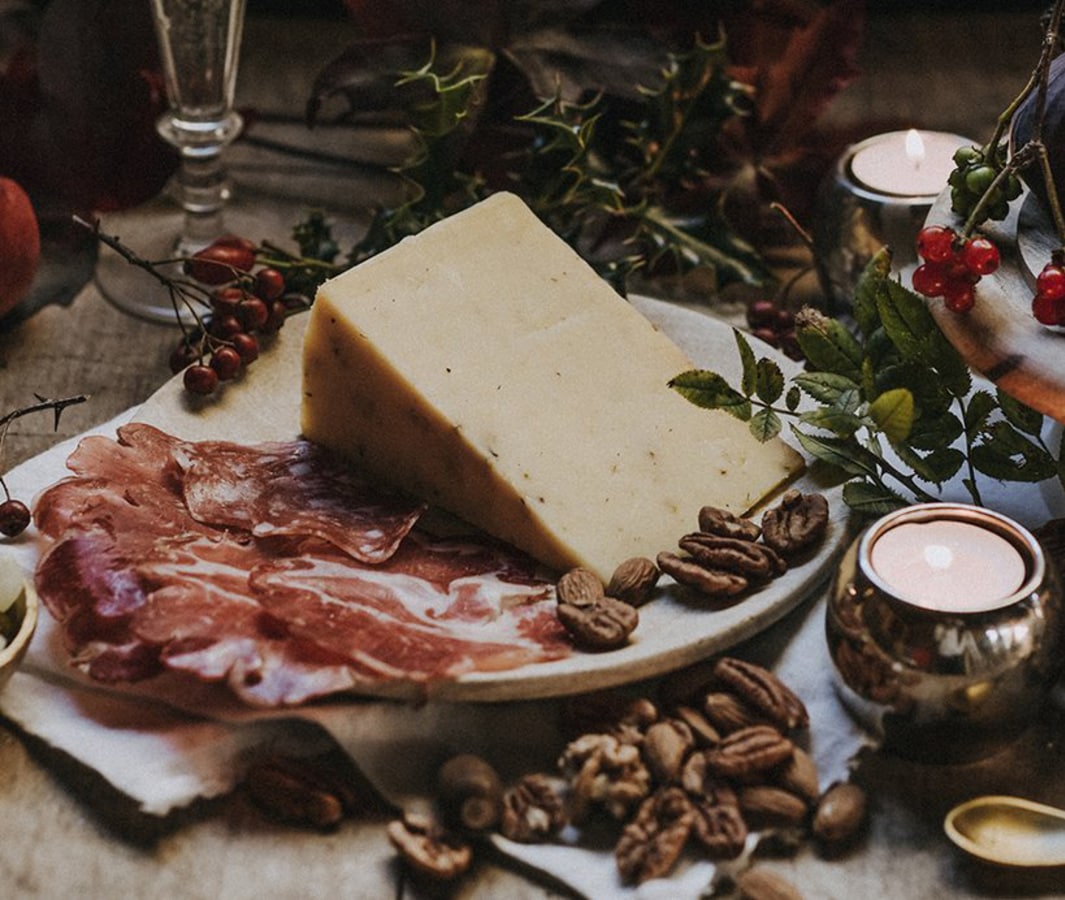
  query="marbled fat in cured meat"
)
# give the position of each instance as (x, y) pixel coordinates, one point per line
(273, 569)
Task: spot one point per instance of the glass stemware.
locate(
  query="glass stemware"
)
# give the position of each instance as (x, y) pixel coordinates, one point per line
(199, 43)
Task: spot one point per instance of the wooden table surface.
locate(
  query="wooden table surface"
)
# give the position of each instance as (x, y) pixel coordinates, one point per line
(65, 834)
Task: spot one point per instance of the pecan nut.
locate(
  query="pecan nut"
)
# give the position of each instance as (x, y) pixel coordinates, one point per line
(702, 729)
(712, 583)
(756, 561)
(763, 691)
(580, 587)
(749, 751)
(603, 624)
(797, 522)
(651, 843)
(720, 828)
(763, 804)
(634, 581)
(713, 520)
(729, 713)
(799, 775)
(665, 747)
(533, 810)
(428, 849)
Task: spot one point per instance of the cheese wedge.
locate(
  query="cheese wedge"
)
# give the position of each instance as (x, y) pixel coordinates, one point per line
(483, 366)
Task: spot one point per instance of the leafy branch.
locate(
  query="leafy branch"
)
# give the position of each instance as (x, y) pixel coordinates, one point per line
(889, 405)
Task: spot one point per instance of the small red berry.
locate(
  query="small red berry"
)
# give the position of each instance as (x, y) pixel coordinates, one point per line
(980, 256)
(225, 327)
(14, 517)
(959, 296)
(182, 356)
(247, 346)
(935, 243)
(929, 279)
(200, 379)
(226, 363)
(253, 313)
(1048, 310)
(1051, 282)
(225, 300)
(269, 284)
(219, 263)
(761, 314)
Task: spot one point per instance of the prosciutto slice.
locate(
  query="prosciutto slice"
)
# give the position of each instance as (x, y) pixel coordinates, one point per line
(273, 569)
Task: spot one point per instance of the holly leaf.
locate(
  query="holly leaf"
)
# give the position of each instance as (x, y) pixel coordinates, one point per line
(710, 390)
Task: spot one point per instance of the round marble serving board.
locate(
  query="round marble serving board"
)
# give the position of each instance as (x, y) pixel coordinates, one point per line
(675, 630)
(999, 337)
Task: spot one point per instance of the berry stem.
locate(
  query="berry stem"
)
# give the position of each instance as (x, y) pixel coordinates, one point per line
(57, 406)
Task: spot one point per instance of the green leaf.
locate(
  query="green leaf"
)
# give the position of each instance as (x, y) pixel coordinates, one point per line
(845, 454)
(749, 379)
(838, 421)
(769, 380)
(935, 432)
(1008, 455)
(824, 387)
(711, 391)
(792, 398)
(871, 499)
(893, 413)
(917, 337)
(829, 347)
(935, 467)
(864, 306)
(1022, 417)
(765, 425)
(978, 412)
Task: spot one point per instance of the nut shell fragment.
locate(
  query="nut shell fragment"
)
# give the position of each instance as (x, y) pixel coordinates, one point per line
(428, 849)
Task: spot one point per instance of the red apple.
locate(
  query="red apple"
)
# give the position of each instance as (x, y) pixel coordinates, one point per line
(20, 244)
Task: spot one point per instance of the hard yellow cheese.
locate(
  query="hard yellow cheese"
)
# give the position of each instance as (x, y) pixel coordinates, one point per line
(483, 366)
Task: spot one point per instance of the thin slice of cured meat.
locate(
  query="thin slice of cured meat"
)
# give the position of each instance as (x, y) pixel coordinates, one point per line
(283, 613)
(437, 609)
(294, 488)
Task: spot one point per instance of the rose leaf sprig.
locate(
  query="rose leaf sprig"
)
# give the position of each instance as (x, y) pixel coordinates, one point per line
(891, 404)
(14, 513)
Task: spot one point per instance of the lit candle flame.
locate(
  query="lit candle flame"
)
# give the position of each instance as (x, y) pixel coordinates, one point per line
(914, 148)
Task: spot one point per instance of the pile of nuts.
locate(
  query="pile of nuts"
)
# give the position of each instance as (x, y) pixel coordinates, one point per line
(726, 557)
(701, 767)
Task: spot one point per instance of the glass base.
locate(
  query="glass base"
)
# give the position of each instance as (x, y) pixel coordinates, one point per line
(153, 230)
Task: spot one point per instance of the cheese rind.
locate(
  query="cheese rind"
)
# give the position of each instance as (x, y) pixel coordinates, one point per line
(483, 366)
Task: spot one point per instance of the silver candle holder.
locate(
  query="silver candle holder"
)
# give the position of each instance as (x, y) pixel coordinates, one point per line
(939, 673)
(878, 194)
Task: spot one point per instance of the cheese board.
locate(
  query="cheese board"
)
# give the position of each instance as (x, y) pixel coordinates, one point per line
(675, 629)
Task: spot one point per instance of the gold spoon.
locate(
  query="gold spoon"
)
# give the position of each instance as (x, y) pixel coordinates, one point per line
(1009, 831)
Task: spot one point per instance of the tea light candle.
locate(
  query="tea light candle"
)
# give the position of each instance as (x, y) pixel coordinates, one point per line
(948, 565)
(878, 194)
(906, 163)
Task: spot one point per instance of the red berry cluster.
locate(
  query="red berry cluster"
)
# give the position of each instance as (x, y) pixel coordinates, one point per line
(1048, 304)
(775, 325)
(245, 304)
(952, 266)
